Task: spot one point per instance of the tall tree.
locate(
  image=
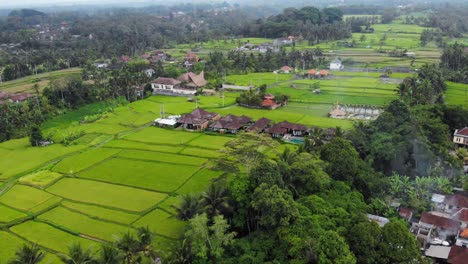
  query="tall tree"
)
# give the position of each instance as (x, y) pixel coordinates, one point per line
(27, 254)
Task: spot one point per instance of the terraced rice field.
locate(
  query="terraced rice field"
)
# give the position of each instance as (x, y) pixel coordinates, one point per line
(119, 175)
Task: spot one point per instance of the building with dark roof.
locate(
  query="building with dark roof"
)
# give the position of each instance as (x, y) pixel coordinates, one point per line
(283, 128)
(231, 123)
(260, 125)
(191, 80)
(443, 226)
(198, 119)
(460, 137)
(458, 255)
(170, 86)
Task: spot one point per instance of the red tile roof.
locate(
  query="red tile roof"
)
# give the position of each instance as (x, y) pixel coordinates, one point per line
(462, 132)
(464, 233)
(323, 72)
(458, 200)
(440, 221)
(461, 215)
(268, 102)
(166, 81)
(458, 255)
(21, 97)
(405, 213)
(312, 72)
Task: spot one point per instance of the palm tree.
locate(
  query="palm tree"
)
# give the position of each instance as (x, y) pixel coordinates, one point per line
(188, 207)
(182, 253)
(110, 255)
(128, 245)
(316, 137)
(78, 255)
(145, 239)
(215, 200)
(27, 254)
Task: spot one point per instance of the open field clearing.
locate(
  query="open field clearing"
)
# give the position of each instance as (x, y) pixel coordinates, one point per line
(102, 213)
(50, 237)
(22, 158)
(198, 182)
(79, 223)
(258, 79)
(128, 144)
(108, 195)
(24, 197)
(158, 135)
(162, 223)
(166, 157)
(198, 152)
(212, 142)
(25, 84)
(40, 179)
(84, 160)
(163, 177)
(8, 214)
(457, 94)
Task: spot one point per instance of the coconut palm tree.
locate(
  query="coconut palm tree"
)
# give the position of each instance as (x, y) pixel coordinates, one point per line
(27, 254)
(188, 207)
(215, 200)
(110, 255)
(129, 246)
(78, 255)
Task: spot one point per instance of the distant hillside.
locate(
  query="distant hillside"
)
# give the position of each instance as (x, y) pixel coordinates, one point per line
(24, 13)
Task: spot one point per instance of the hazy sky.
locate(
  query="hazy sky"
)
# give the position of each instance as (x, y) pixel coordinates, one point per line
(26, 3)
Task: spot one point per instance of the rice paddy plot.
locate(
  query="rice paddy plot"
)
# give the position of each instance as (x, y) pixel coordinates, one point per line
(158, 176)
(24, 197)
(211, 142)
(9, 243)
(50, 237)
(128, 144)
(162, 157)
(102, 213)
(169, 203)
(7, 215)
(205, 153)
(162, 223)
(199, 182)
(23, 157)
(457, 94)
(158, 135)
(40, 179)
(84, 160)
(258, 79)
(79, 223)
(108, 195)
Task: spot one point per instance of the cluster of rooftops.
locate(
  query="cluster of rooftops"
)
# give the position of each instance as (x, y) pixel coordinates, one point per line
(14, 98)
(200, 119)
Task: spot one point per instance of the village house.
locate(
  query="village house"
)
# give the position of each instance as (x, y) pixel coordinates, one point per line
(269, 102)
(312, 73)
(231, 124)
(281, 129)
(337, 113)
(190, 59)
(457, 255)
(192, 81)
(162, 84)
(286, 69)
(21, 97)
(442, 227)
(405, 213)
(170, 121)
(460, 137)
(336, 65)
(462, 238)
(149, 72)
(323, 73)
(260, 125)
(198, 119)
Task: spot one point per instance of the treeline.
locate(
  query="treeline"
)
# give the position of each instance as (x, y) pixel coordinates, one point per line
(303, 206)
(454, 60)
(313, 24)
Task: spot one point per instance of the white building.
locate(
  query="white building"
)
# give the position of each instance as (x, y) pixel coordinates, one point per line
(336, 65)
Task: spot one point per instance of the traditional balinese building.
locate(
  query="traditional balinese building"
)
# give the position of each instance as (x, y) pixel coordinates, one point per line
(231, 124)
(336, 65)
(286, 69)
(198, 119)
(260, 125)
(192, 81)
(280, 129)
